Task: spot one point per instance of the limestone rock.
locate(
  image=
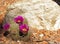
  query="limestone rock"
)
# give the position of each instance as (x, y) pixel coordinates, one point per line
(40, 14)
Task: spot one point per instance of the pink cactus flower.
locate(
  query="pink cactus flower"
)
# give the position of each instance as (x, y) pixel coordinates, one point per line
(24, 28)
(6, 26)
(19, 19)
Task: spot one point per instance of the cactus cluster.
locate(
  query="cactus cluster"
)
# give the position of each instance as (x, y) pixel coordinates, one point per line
(23, 28)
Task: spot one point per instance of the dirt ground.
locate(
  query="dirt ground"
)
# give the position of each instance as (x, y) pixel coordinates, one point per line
(49, 37)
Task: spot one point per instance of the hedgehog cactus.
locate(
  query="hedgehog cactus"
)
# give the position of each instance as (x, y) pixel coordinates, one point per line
(23, 30)
(6, 27)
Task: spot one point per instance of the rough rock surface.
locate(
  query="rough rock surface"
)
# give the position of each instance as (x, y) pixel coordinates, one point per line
(40, 14)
